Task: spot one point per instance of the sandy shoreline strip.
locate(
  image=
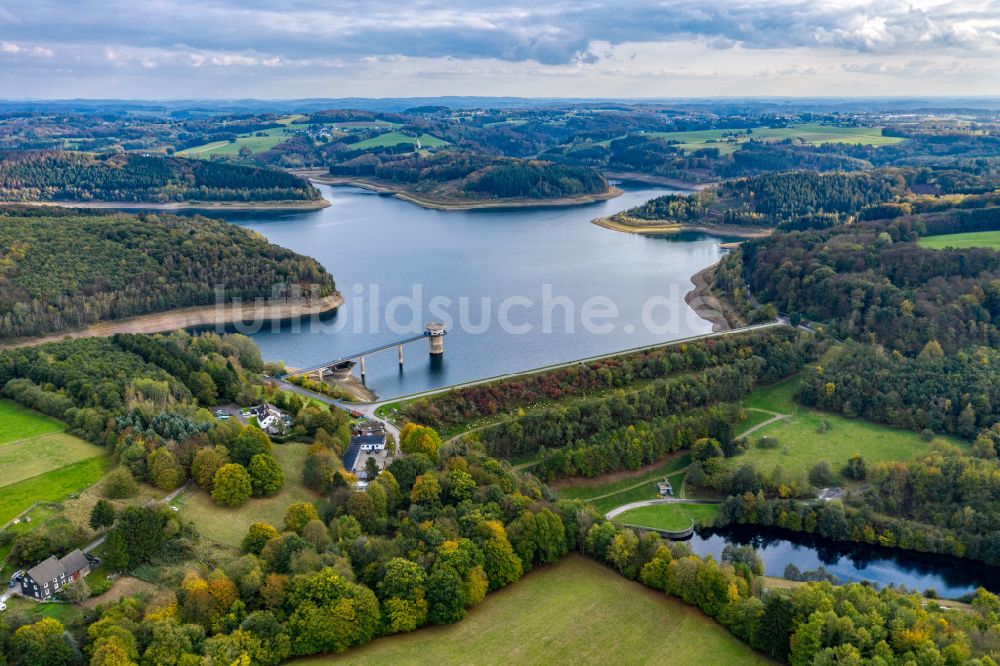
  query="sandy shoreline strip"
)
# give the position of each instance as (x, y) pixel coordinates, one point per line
(676, 227)
(311, 204)
(162, 322)
(707, 305)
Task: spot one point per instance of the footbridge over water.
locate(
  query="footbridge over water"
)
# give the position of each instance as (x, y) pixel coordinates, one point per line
(433, 332)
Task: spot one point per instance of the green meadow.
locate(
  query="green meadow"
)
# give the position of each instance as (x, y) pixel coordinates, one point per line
(572, 612)
(989, 239)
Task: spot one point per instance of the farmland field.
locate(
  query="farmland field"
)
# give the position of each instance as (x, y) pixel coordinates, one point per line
(575, 611)
(38, 461)
(229, 526)
(990, 239)
(670, 516)
(52, 486)
(396, 138)
(801, 445)
(729, 140)
(18, 422)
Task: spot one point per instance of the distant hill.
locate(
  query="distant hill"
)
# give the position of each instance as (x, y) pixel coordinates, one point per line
(72, 176)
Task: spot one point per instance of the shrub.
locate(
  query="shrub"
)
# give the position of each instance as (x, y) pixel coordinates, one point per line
(120, 484)
(821, 474)
(767, 442)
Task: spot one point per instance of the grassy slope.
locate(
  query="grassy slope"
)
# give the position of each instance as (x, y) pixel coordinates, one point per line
(576, 612)
(800, 446)
(52, 486)
(990, 239)
(31, 457)
(229, 526)
(606, 496)
(670, 516)
(39, 462)
(18, 422)
(395, 138)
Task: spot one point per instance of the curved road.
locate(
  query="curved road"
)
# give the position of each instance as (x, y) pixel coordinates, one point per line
(669, 500)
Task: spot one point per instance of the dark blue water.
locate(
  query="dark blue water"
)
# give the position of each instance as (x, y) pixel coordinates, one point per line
(951, 577)
(380, 248)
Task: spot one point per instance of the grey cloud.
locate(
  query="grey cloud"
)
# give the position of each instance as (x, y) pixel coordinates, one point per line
(551, 33)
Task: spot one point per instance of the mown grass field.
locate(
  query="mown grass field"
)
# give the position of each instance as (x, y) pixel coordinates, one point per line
(40, 462)
(17, 422)
(573, 612)
(52, 486)
(670, 516)
(990, 239)
(801, 445)
(396, 138)
(31, 457)
(229, 526)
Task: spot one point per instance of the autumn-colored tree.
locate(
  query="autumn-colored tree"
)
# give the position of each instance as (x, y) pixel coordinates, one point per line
(461, 485)
(231, 485)
(164, 470)
(299, 514)
(41, 644)
(206, 463)
(500, 562)
(404, 598)
(257, 537)
(426, 490)
(415, 438)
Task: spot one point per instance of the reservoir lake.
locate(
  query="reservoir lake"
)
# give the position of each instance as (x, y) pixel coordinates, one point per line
(522, 266)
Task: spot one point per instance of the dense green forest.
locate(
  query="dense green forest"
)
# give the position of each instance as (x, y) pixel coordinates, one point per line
(70, 176)
(787, 200)
(870, 280)
(420, 545)
(62, 269)
(687, 393)
(454, 174)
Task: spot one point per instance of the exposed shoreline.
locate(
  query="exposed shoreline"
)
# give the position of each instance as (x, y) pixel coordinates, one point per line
(212, 315)
(651, 179)
(463, 204)
(677, 227)
(707, 305)
(311, 204)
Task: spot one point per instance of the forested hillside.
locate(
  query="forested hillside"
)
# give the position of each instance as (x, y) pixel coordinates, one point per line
(871, 280)
(69, 176)
(460, 175)
(61, 269)
(788, 200)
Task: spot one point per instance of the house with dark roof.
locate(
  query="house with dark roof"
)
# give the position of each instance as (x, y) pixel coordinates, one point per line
(369, 443)
(352, 457)
(50, 576)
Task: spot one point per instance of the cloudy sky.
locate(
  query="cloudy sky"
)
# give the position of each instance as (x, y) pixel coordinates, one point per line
(159, 49)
